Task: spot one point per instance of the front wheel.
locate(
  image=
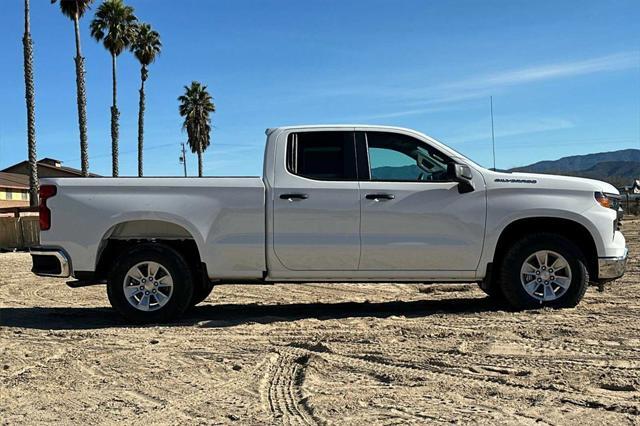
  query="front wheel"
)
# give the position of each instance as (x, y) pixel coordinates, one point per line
(493, 291)
(201, 292)
(541, 270)
(150, 283)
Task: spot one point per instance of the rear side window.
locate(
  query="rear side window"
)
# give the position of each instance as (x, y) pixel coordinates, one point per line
(322, 155)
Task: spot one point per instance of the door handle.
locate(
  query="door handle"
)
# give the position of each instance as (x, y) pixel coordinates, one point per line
(292, 197)
(380, 197)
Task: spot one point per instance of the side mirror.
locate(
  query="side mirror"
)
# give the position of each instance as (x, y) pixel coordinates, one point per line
(462, 174)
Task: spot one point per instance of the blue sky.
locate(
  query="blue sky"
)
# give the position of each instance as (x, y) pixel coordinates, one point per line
(564, 75)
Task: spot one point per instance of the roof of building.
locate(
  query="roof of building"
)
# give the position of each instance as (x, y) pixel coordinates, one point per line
(14, 181)
(49, 163)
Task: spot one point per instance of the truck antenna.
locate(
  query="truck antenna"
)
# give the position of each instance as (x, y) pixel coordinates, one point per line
(493, 136)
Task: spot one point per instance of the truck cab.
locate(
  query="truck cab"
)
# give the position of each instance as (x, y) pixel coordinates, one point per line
(372, 212)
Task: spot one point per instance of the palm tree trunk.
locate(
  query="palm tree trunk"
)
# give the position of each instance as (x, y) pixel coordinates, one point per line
(82, 102)
(31, 105)
(141, 106)
(115, 114)
(200, 160)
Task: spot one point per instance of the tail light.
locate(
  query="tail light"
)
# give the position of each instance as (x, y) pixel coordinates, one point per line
(46, 191)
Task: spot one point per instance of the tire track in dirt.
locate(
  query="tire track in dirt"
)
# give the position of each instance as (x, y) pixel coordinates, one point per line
(381, 371)
(516, 371)
(231, 391)
(467, 409)
(502, 356)
(188, 390)
(387, 370)
(281, 389)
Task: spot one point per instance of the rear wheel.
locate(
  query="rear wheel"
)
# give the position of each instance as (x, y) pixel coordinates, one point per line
(543, 270)
(150, 283)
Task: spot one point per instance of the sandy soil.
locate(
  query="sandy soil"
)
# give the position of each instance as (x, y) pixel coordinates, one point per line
(319, 353)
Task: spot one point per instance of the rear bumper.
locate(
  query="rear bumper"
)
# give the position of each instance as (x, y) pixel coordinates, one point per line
(50, 262)
(610, 268)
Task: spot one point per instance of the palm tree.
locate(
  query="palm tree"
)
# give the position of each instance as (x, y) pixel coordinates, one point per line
(114, 24)
(146, 46)
(27, 45)
(195, 106)
(75, 9)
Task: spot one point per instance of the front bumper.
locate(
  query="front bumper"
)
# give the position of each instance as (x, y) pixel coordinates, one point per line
(610, 268)
(50, 262)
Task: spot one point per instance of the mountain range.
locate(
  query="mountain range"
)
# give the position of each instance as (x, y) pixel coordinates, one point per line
(616, 167)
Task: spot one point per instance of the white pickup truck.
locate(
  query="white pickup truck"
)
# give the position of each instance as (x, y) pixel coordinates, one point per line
(335, 203)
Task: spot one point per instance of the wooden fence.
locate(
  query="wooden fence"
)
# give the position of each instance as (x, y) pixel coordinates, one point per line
(19, 228)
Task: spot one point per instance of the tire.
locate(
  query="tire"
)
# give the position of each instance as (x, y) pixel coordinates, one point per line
(493, 292)
(169, 301)
(201, 292)
(545, 289)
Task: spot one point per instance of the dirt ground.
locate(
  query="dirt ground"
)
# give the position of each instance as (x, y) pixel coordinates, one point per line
(319, 353)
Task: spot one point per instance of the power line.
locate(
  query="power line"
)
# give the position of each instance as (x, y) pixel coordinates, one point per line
(154, 147)
(132, 151)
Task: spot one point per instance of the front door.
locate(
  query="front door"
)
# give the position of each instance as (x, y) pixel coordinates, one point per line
(316, 204)
(413, 215)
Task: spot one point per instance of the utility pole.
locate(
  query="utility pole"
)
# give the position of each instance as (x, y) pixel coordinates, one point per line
(183, 159)
(493, 136)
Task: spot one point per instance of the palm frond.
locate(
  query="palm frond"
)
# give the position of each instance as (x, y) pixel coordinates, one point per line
(146, 44)
(71, 8)
(115, 25)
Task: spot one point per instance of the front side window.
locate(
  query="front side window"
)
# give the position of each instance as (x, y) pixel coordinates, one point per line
(396, 157)
(322, 155)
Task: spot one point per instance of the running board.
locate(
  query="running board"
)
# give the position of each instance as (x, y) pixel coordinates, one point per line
(83, 283)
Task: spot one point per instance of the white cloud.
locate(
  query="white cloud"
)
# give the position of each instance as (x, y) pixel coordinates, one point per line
(615, 62)
(416, 96)
(508, 126)
(401, 113)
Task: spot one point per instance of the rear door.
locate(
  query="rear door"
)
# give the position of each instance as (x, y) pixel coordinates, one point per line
(316, 203)
(413, 217)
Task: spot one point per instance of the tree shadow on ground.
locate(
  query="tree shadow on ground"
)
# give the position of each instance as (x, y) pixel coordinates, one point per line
(228, 315)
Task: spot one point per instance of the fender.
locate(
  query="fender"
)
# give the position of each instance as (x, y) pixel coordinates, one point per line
(492, 235)
(170, 218)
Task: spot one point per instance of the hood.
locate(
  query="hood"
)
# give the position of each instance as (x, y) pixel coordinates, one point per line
(540, 180)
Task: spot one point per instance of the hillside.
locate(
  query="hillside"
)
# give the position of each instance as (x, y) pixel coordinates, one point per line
(581, 162)
(617, 167)
(396, 173)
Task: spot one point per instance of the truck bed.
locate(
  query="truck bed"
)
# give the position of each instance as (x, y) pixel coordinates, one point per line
(225, 216)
